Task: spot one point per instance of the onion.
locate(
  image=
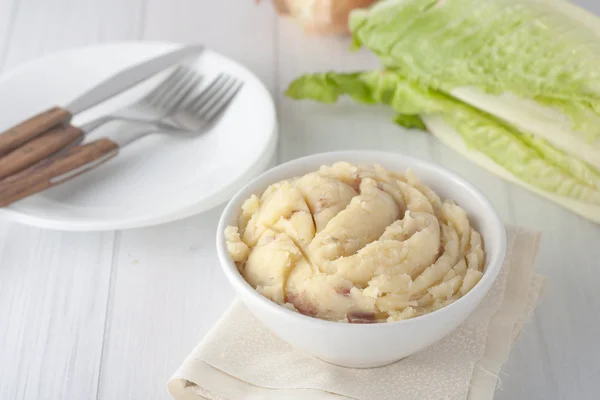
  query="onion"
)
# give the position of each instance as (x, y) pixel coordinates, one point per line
(321, 17)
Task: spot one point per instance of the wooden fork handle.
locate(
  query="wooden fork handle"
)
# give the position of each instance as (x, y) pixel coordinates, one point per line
(25, 131)
(39, 148)
(53, 171)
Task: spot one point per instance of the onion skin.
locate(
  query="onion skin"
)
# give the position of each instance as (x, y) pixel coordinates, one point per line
(320, 17)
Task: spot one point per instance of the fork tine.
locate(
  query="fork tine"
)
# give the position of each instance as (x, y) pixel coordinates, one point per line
(176, 90)
(217, 110)
(206, 94)
(166, 87)
(185, 91)
(159, 90)
(220, 91)
(189, 82)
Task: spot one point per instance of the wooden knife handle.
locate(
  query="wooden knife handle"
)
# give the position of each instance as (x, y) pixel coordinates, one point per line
(32, 127)
(39, 148)
(53, 171)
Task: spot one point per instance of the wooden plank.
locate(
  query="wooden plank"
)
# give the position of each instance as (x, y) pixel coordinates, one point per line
(168, 292)
(54, 286)
(8, 10)
(241, 30)
(42, 27)
(168, 288)
(53, 296)
(554, 356)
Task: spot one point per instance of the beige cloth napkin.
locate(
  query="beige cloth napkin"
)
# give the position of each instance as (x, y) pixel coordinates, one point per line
(240, 359)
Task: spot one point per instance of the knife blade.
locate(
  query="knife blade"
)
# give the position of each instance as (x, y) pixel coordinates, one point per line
(21, 133)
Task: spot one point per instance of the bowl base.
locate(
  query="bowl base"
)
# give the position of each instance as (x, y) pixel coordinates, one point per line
(361, 365)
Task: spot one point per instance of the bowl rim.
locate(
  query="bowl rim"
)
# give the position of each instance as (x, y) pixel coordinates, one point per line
(235, 278)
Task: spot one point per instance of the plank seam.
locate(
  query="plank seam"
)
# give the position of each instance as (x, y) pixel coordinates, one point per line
(14, 11)
(109, 301)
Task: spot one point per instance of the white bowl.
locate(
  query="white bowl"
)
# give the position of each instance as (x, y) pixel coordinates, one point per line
(369, 345)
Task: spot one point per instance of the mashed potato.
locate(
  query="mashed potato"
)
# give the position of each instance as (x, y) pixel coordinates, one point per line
(356, 244)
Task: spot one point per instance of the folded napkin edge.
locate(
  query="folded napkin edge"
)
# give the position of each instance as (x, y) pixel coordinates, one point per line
(181, 390)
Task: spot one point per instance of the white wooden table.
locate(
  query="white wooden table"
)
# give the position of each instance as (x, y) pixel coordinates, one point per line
(111, 315)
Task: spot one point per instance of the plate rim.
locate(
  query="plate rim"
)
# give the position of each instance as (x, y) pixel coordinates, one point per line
(260, 163)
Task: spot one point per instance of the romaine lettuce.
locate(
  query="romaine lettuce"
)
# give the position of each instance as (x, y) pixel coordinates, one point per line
(447, 135)
(513, 84)
(530, 159)
(483, 51)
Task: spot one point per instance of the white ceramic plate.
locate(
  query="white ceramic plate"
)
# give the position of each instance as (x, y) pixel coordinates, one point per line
(154, 180)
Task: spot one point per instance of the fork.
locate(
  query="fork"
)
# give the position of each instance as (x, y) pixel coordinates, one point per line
(200, 111)
(158, 104)
(173, 104)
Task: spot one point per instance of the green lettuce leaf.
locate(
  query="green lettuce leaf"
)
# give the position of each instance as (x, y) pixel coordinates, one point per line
(525, 159)
(577, 168)
(452, 139)
(544, 50)
(409, 121)
(531, 160)
(406, 96)
(535, 117)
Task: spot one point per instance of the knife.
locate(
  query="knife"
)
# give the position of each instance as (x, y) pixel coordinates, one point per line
(58, 116)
